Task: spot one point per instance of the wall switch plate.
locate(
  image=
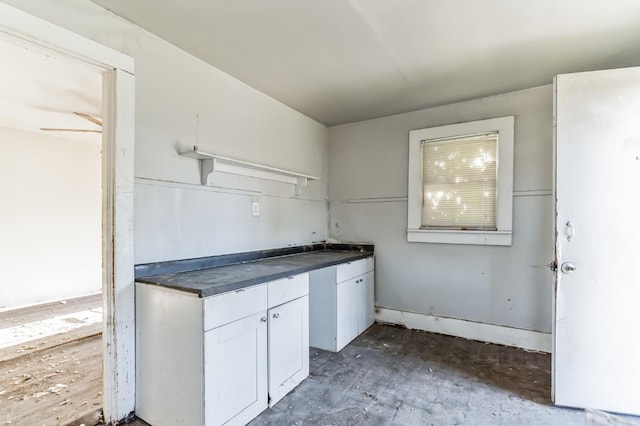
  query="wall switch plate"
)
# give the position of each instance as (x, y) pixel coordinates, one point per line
(255, 208)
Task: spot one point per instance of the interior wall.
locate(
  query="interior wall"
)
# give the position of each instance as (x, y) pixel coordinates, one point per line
(51, 241)
(181, 101)
(508, 286)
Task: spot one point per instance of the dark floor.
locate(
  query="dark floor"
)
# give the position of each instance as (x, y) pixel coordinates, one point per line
(387, 376)
(394, 376)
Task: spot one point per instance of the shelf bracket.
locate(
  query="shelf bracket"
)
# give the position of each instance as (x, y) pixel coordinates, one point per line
(206, 168)
(301, 183)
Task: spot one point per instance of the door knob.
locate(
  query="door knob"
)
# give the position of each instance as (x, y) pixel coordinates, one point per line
(567, 268)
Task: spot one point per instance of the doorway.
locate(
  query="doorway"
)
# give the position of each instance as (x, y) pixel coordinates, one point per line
(51, 227)
(117, 146)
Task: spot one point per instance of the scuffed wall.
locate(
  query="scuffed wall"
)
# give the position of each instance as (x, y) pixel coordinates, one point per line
(508, 286)
(182, 101)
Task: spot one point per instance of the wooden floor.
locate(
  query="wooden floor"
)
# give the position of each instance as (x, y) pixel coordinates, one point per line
(52, 379)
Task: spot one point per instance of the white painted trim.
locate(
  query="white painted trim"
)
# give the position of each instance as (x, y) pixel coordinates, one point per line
(522, 193)
(504, 205)
(29, 28)
(118, 338)
(196, 187)
(117, 183)
(377, 200)
(485, 238)
(533, 193)
(556, 244)
(520, 338)
(46, 302)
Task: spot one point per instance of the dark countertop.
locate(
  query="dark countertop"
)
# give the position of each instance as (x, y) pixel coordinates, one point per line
(221, 279)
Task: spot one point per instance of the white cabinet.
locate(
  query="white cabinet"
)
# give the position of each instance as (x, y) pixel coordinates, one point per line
(235, 371)
(221, 359)
(365, 289)
(346, 312)
(288, 347)
(199, 362)
(341, 303)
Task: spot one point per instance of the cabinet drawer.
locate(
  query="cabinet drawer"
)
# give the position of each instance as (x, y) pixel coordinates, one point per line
(352, 269)
(286, 289)
(228, 307)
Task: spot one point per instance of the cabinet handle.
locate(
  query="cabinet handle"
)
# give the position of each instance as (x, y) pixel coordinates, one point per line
(263, 319)
(276, 315)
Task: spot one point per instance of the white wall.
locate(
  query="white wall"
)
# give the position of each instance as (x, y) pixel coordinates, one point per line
(182, 101)
(508, 286)
(50, 232)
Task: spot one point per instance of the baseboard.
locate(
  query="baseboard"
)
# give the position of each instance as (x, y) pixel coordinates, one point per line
(520, 338)
(47, 302)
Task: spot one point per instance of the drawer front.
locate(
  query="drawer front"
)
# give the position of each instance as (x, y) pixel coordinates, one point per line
(286, 289)
(352, 269)
(228, 307)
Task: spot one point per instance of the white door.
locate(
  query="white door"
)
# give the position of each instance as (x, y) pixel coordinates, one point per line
(235, 371)
(365, 301)
(596, 356)
(365, 313)
(288, 347)
(346, 312)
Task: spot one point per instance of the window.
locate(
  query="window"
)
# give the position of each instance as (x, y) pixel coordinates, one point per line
(461, 183)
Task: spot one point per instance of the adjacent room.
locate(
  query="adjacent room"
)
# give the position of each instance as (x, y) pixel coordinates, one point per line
(51, 245)
(347, 212)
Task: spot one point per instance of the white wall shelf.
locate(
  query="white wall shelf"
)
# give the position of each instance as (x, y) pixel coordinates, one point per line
(217, 163)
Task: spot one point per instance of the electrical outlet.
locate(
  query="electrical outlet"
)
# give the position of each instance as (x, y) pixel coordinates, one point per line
(255, 208)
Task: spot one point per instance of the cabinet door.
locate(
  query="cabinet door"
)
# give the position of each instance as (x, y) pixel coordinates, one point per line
(365, 301)
(346, 312)
(288, 347)
(235, 371)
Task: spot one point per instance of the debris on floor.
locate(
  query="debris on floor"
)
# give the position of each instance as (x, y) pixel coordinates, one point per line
(56, 378)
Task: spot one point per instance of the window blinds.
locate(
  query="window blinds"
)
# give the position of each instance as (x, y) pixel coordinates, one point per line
(459, 178)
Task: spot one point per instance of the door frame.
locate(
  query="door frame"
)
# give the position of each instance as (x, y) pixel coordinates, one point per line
(118, 99)
(556, 246)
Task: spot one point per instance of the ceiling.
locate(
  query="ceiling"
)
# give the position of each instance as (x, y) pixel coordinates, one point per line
(340, 61)
(44, 91)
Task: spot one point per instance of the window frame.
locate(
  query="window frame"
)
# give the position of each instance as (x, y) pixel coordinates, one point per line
(502, 236)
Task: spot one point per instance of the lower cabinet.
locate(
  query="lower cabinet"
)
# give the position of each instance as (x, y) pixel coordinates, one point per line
(341, 303)
(288, 347)
(347, 307)
(366, 301)
(235, 371)
(220, 360)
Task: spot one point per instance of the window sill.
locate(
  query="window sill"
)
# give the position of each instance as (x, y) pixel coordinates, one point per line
(485, 238)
